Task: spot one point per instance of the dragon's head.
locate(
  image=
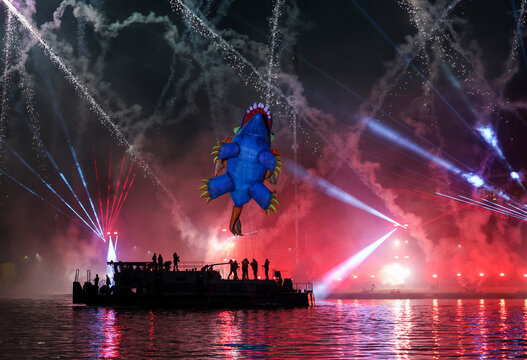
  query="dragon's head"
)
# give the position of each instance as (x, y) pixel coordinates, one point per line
(257, 121)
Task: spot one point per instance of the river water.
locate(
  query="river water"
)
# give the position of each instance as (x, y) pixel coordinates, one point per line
(54, 328)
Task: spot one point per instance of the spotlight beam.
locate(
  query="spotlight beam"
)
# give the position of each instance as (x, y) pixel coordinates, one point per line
(324, 287)
(474, 203)
(70, 145)
(486, 132)
(44, 150)
(469, 177)
(334, 191)
(4, 143)
(44, 200)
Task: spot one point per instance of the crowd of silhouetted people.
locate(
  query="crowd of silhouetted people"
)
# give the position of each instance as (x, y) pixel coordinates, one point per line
(158, 264)
(245, 269)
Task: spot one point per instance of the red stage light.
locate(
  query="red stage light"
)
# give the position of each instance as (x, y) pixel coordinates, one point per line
(481, 274)
(458, 274)
(434, 276)
(502, 274)
(115, 232)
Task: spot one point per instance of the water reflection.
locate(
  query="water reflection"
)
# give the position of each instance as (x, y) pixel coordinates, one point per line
(111, 333)
(229, 333)
(400, 329)
(460, 327)
(435, 327)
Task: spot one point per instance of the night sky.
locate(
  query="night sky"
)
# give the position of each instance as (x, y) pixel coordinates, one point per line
(434, 72)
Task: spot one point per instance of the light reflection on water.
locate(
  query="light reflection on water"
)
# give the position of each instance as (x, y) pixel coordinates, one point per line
(401, 329)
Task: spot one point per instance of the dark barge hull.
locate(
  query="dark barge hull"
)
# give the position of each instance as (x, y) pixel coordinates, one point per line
(191, 289)
(202, 302)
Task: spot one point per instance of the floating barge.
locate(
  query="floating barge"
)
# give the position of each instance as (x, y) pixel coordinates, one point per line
(140, 284)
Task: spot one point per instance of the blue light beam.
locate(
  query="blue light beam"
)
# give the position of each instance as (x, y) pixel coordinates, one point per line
(72, 150)
(4, 143)
(333, 190)
(330, 280)
(45, 150)
(41, 198)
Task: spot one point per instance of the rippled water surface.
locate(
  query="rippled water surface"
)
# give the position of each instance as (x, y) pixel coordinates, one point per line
(53, 328)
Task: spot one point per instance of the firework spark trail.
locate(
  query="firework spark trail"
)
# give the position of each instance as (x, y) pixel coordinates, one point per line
(114, 215)
(177, 212)
(238, 61)
(430, 32)
(4, 101)
(70, 144)
(519, 30)
(125, 196)
(41, 198)
(98, 189)
(29, 95)
(418, 71)
(168, 83)
(358, 96)
(48, 154)
(85, 93)
(49, 186)
(275, 38)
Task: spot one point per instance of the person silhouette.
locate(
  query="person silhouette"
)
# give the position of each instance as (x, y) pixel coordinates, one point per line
(96, 281)
(235, 266)
(231, 264)
(254, 265)
(266, 269)
(176, 260)
(245, 269)
(160, 262)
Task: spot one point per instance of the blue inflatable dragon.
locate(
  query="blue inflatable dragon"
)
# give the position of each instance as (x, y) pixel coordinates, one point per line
(249, 160)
